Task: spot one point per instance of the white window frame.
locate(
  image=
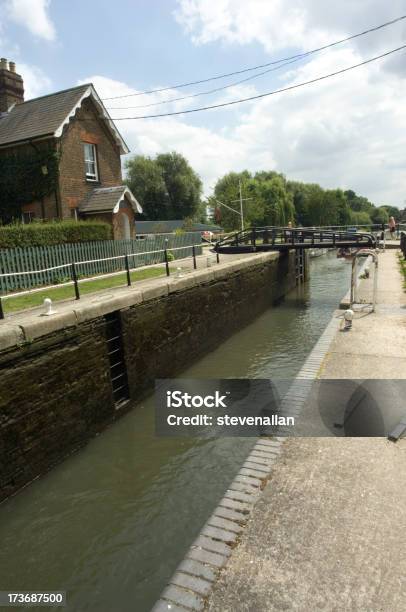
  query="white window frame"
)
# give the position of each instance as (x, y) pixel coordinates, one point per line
(91, 159)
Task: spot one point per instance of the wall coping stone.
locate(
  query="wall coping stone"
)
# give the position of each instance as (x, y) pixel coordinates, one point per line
(10, 335)
(38, 326)
(31, 325)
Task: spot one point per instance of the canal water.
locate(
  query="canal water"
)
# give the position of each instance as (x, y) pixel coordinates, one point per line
(110, 524)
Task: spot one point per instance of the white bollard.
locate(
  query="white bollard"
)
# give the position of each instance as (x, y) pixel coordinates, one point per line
(48, 307)
(179, 273)
(348, 317)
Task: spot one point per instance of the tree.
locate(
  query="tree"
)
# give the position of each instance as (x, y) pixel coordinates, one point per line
(270, 201)
(360, 218)
(145, 180)
(380, 215)
(275, 201)
(340, 209)
(200, 215)
(167, 187)
(358, 203)
(300, 202)
(226, 191)
(184, 187)
(313, 205)
(393, 211)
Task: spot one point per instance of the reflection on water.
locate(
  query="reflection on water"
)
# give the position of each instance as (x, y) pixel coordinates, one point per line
(111, 523)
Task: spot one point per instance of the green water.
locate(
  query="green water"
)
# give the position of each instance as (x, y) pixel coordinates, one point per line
(112, 522)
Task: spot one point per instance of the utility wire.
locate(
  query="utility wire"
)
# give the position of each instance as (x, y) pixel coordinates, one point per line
(205, 93)
(269, 93)
(297, 56)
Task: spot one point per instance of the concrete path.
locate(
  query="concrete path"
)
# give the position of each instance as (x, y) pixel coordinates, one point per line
(328, 532)
(376, 345)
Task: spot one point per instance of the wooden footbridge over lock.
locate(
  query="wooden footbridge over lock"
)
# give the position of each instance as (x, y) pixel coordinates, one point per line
(257, 239)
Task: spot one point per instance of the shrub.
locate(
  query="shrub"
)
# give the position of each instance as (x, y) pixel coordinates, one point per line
(46, 234)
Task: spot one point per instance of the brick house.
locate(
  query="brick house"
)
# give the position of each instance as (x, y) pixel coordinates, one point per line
(74, 124)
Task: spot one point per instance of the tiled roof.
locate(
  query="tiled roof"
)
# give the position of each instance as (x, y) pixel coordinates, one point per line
(107, 199)
(40, 116)
(47, 115)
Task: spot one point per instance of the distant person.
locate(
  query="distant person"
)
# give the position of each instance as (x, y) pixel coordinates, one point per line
(392, 227)
(289, 235)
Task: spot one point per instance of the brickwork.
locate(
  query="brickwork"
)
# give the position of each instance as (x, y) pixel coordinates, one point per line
(11, 87)
(86, 126)
(48, 209)
(43, 210)
(116, 220)
(119, 223)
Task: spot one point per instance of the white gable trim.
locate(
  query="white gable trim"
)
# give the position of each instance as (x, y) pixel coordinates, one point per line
(135, 204)
(91, 93)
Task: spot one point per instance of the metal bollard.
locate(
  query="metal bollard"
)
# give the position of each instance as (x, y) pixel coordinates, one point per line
(75, 281)
(127, 269)
(166, 262)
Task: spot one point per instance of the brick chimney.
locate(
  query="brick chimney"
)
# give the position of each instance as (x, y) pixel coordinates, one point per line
(11, 85)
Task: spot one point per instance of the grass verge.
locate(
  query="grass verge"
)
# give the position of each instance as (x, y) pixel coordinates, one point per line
(65, 293)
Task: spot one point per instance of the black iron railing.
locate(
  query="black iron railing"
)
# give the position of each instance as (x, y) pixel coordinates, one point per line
(283, 238)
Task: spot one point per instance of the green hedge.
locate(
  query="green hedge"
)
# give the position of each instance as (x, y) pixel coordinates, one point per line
(45, 234)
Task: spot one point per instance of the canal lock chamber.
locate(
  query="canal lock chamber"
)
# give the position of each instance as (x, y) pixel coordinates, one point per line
(127, 506)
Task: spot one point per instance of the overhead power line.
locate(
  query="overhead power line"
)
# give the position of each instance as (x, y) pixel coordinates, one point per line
(292, 57)
(205, 93)
(269, 93)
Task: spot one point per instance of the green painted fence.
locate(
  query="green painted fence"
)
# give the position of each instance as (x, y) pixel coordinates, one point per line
(38, 258)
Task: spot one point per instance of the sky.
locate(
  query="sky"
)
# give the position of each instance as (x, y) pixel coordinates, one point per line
(348, 131)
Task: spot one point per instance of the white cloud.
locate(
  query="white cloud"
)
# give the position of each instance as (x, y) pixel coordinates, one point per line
(279, 25)
(242, 22)
(210, 152)
(33, 15)
(36, 83)
(348, 131)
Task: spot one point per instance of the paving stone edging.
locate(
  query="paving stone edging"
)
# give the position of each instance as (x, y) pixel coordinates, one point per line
(195, 576)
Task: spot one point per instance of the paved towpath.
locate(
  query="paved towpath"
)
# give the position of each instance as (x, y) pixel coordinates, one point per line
(328, 532)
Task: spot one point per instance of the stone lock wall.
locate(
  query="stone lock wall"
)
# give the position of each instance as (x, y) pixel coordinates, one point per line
(164, 335)
(55, 387)
(55, 393)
